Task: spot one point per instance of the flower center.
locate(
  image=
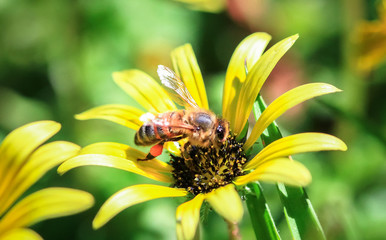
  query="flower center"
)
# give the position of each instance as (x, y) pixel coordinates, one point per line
(200, 170)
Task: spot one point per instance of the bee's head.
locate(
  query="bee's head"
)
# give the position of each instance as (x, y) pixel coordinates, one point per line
(222, 130)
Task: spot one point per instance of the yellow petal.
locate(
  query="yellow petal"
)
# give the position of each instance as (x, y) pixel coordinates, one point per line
(186, 67)
(298, 143)
(43, 159)
(370, 38)
(188, 216)
(255, 80)
(145, 90)
(122, 114)
(205, 5)
(285, 102)
(21, 234)
(278, 170)
(248, 51)
(127, 152)
(113, 162)
(19, 144)
(130, 196)
(45, 204)
(226, 202)
(173, 147)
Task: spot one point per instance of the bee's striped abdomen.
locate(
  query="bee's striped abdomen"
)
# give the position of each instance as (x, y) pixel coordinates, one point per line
(146, 135)
(160, 132)
(165, 127)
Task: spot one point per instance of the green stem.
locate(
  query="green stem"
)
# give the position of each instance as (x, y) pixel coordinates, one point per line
(261, 218)
(301, 217)
(300, 214)
(234, 230)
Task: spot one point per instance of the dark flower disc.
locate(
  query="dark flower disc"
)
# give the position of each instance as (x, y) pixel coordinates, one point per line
(200, 170)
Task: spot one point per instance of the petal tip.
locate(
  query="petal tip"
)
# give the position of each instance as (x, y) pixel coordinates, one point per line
(343, 146)
(61, 171)
(88, 199)
(181, 47)
(339, 90)
(340, 145)
(80, 116)
(96, 224)
(262, 35)
(307, 178)
(115, 76)
(118, 76)
(55, 125)
(330, 88)
(292, 39)
(63, 168)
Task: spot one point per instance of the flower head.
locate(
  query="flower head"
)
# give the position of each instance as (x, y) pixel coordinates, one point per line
(207, 173)
(23, 161)
(370, 38)
(205, 5)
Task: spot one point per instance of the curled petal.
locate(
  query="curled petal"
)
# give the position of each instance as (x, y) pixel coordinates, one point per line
(122, 114)
(278, 170)
(186, 67)
(226, 202)
(188, 216)
(145, 90)
(247, 52)
(130, 196)
(19, 144)
(43, 159)
(46, 204)
(21, 233)
(256, 78)
(298, 143)
(285, 102)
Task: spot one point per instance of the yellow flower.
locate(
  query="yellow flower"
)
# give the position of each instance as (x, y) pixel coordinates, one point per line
(371, 41)
(210, 174)
(205, 5)
(23, 160)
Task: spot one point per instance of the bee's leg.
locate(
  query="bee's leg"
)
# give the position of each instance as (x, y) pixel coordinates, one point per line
(155, 151)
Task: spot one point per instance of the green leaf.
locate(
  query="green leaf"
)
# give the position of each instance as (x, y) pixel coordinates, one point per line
(300, 215)
(261, 218)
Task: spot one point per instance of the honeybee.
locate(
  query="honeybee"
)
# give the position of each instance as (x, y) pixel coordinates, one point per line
(201, 127)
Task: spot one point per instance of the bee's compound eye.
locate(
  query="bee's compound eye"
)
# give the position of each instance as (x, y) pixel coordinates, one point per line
(203, 121)
(220, 132)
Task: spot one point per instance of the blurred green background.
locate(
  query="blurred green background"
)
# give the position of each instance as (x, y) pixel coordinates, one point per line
(57, 57)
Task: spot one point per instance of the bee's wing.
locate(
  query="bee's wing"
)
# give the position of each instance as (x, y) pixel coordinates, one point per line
(180, 93)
